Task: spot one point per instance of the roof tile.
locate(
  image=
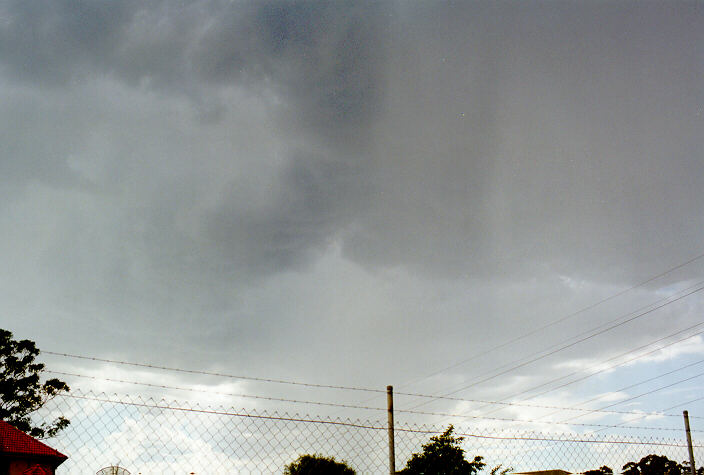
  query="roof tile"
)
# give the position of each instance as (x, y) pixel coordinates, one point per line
(14, 441)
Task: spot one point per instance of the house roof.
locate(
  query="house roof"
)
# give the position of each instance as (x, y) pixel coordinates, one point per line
(16, 442)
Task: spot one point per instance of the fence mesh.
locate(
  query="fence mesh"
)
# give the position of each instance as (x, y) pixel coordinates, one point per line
(148, 436)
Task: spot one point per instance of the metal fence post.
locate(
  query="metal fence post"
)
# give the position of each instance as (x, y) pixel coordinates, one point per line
(392, 448)
(689, 443)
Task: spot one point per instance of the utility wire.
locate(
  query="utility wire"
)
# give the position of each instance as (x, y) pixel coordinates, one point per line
(602, 369)
(638, 396)
(219, 393)
(631, 386)
(647, 393)
(416, 395)
(599, 365)
(539, 406)
(372, 390)
(569, 345)
(618, 364)
(168, 407)
(567, 317)
(555, 322)
(347, 406)
(221, 375)
(601, 396)
(641, 416)
(684, 404)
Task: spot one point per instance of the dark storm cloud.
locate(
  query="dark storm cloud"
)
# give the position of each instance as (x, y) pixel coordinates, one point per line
(52, 43)
(487, 137)
(323, 56)
(322, 61)
(563, 136)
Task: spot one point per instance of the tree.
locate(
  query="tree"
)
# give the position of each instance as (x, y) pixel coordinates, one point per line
(318, 465)
(21, 390)
(653, 465)
(603, 470)
(443, 455)
(686, 470)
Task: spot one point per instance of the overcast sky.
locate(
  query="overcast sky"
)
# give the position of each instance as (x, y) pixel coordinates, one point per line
(357, 193)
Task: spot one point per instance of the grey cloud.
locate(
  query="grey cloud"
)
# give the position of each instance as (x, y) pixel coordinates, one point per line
(232, 148)
(575, 137)
(53, 43)
(532, 126)
(320, 60)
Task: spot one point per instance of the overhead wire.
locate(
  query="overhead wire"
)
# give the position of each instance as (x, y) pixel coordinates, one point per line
(554, 322)
(647, 393)
(641, 416)
(380, 391)
(407, 394)
(601, 396)
(372, 390)
(559, 320)
(170, 407)
(572, 344)
(539, 406)
(631, 386)
(210, 373)
(350, 406)
(599, 369)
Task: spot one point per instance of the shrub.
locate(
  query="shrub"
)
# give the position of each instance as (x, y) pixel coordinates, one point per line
(317, 465)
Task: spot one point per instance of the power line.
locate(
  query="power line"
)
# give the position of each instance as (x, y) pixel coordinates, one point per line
(615, 366)
(569, 345)
(555, 322)
(347, 406)
(220, 413)
(581, 340)
(684, 404)
(365, 426)
(417, 395)
(641, 416)
(621, 363)
(626, 387)
(653, 391)
(539, 406)
(602, 370)
(221, 375)
(355, 425)
(638, 396)
(601, 396)
(219, 393)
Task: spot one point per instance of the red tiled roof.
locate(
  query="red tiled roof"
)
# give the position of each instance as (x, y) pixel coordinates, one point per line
(16, 442)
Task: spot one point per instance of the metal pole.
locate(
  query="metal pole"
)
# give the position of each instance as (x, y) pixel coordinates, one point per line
(689, 443)
(392, 449)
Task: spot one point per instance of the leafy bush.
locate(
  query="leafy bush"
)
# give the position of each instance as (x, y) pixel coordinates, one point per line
(658, 465)
(318, 465)
(442, 455)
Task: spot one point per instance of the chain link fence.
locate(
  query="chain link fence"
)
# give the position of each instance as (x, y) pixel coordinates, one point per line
(148, 436)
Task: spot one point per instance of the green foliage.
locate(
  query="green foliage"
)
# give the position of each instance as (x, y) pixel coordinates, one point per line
(603, 470)
(21, 392)
(317, 465)
(653, 465)
(443, 455)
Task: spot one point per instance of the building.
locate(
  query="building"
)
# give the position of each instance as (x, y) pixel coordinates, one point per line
(21, 454)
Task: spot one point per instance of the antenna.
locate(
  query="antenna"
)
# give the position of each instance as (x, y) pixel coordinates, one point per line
(113, 470)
